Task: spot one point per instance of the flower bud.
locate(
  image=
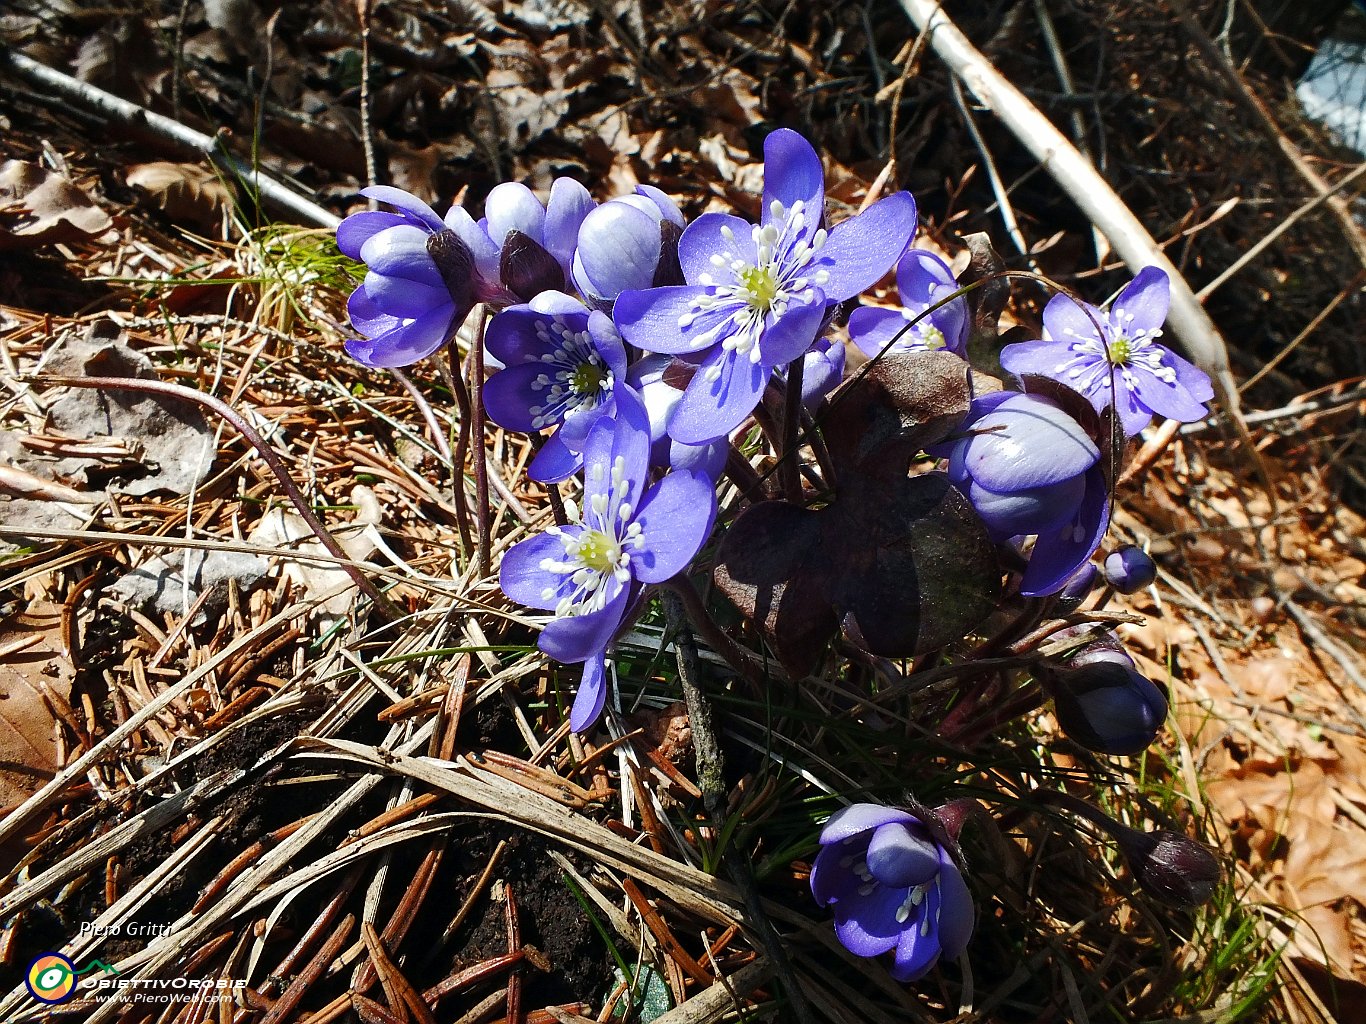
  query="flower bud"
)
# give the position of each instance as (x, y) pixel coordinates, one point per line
(1130, 569)
(1169, 866)
(1103, 703)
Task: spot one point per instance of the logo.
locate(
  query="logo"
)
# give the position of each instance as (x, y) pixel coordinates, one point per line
(52, 977)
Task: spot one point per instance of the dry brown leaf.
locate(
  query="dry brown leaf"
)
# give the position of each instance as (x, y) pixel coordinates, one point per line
(41, 207)
(189, 193)
(31, 659)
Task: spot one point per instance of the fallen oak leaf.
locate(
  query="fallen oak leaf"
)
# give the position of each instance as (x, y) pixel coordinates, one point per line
(41, 207)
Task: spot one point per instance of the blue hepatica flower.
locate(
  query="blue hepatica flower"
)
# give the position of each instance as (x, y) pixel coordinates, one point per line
(425, 274)
(1028, 467)
(923, 279)
(565, 367)
(892, 886)
(1082, 344)
(590, 573)
(757, 296)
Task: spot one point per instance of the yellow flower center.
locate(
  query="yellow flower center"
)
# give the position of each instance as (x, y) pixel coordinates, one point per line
(598, 551)
(760, 286)
(1120, 350)
(587, 379)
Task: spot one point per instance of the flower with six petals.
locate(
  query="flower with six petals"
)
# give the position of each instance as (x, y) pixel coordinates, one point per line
(591, 572)
(1113, 357)
(892, 886)
(757, 296)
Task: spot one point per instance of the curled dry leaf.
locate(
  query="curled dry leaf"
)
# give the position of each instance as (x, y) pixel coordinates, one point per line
(41, 207)
(899, 564)
(190, 194)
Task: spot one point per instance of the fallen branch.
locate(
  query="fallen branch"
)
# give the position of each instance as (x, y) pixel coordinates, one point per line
(59, 89)
(1079, 178)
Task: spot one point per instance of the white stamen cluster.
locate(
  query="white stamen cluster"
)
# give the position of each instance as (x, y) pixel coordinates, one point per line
(575, 374)
(746, 296)
(1119, 344)
(601, 551)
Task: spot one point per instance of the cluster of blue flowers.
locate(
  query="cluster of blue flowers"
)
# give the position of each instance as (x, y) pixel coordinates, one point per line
(634, 345)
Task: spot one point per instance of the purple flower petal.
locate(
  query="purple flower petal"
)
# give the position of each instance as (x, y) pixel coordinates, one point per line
(675, 518)
(866, 923)
(366, 317)
(1027, 441)
(575, 638)
(874, 328)
(862, 249)
(554, 463)
(715, 234)
(1170, 400)
(625, 437)
(608, 342)
(521, 577)
(512, 206)
(830, 879)
(484, 250)
(707, 459)
(792, 174)
(405, 201)
(668, 209)
(899, 856)
(1059, 554)
(712, 408)
(822, 370)
(509, 396)
(956, 912)
(401, 251)
(650, 319)
(1065, 321)
(1191, 377)
(919, 273)
(918, 947)
(569, 204)
(618, 250)
(850, 821)
(789, 336)
(397, 297)
(1030, 510)
(1142, 305)
(1045, 358)
(592, 695)
(405, 345)
(357, 229)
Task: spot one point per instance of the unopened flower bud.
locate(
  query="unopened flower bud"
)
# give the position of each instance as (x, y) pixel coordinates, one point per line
(1169, 866)
(1104, 703)
(1130, 569)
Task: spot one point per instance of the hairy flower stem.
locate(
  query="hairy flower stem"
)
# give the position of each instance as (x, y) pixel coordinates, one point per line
(455, 380)
(483, 511)
(788, 459)
(746, 663)
(267, 453)
(711, 779)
